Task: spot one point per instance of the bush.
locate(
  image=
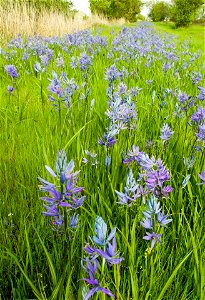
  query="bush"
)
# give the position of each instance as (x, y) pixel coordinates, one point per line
(159, 11)
(184, 11)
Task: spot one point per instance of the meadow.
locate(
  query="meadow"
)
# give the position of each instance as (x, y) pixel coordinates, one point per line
(102, 165)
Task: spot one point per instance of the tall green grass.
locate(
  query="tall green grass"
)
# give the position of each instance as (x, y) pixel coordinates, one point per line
(30, 252)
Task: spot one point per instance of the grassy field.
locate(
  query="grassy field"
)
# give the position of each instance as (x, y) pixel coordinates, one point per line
(194, 33)
(97, 95)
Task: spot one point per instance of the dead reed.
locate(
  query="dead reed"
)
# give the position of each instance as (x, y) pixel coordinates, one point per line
(15, 19)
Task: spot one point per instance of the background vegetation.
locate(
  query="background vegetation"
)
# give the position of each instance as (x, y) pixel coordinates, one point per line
(31, 135)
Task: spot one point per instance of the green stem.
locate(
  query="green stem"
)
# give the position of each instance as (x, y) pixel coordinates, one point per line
(60, 121)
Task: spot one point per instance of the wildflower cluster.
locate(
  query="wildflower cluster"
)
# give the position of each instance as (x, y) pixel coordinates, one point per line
(65, 198)
(201, 94)
(198, 121)
(106, 250)
(151, 184)
(166, 133)
(153, 219)
(152, 177)
(11, 70)
(61, 89)
(121, 112)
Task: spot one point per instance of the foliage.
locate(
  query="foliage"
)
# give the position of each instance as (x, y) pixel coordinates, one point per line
(63, 93)
(159, 11)
(116, 8)
(184, 11)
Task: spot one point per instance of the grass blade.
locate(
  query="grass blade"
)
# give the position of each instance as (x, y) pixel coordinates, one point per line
(171, 278)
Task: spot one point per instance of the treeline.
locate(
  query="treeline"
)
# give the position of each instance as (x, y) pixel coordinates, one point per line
(181, 12)
(116, 9)
(40, 5)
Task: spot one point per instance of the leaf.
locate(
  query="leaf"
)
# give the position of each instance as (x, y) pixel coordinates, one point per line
(75, 135)
(50, 263)
(171, 278)
(34, 289)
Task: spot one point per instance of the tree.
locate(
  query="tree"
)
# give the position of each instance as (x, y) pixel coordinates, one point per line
(159, 11)
(185, 10)
(127, 9)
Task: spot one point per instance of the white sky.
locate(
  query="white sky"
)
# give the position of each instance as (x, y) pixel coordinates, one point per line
(82, 5)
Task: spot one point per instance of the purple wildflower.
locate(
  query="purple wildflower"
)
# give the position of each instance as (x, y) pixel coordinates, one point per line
(201, 94)
(44, 59)
(59, 61)
(166, 133)
(133, 155)
(132, 191)
(11, 70)
(110, 253)
(147, 223)
(74, 221)
(91, 268)
(166, 190)
(196, 78)
(153, 237)
(201, 132)
(202, 177)
(112, 73)
(10, 89)
(68, 196)
(73, 62)
(156, 178)
(199, 115)
(85, 61)
(107, 140)
(52, 211)
(37, 67)
(163, 219)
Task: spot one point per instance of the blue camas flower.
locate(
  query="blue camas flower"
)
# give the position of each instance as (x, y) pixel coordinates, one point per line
(153, 237)
(11, 70)
(201, 94)
(108, 253)
(91, 268)
(202, 177)
(100, 229)
(153, 219)
(68, 196)
(166, 133)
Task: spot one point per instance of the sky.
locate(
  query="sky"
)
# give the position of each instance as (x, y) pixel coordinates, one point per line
(83, 5)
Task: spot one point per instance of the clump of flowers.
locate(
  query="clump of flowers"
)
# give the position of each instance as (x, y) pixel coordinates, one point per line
(104, 248)
(198, 122)
(166, 133)
(153, 219)
(152, 177)
(11, 70)
(63, 198)
(201, 94)
(151, 187)
(61, 89)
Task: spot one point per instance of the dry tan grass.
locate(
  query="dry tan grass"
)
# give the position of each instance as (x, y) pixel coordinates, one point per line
(16, 19)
